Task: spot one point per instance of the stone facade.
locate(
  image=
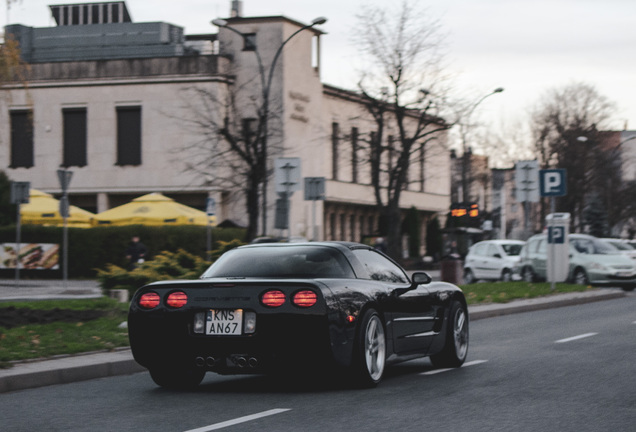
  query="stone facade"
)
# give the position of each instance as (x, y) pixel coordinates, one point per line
(304, 115)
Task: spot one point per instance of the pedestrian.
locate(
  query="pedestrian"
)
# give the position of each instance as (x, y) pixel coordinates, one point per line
(135, 252)
(380, 245)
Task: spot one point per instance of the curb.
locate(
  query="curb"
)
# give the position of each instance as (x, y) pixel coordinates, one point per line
(69, 369)
(478, 312)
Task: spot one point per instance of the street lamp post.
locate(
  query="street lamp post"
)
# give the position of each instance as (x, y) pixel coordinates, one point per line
(266, 83)
(466, 154)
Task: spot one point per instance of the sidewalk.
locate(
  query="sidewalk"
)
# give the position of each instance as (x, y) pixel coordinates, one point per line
(67, 369)
(48, 289)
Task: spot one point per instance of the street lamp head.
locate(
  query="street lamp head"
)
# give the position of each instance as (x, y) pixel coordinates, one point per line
(319, 21)
(219, 22)
(498, 90)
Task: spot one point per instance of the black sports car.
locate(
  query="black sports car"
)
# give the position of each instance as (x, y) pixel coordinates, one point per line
(282, 306)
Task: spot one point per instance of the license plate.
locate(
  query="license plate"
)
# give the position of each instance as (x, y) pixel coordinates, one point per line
(624, 274)
(222, 322)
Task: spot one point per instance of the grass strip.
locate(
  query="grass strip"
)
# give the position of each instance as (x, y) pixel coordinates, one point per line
(33, 341)
(504, 292)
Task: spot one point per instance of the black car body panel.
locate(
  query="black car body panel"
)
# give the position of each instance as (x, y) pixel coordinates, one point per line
(290, 336)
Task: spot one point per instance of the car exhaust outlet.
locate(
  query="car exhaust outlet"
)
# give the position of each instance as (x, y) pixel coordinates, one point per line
(210, 361)
(241, 362)
(199, 361)
(252, 362)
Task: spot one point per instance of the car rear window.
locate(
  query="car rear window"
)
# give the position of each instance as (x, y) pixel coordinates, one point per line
(282, 262)
(512, 249)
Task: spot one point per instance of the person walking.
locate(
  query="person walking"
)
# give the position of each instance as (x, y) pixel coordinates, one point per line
(135, 253)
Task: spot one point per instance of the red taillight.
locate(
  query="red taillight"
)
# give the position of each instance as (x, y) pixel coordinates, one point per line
(304, 298)
(177, 299)
(149, 300)
(273, 298)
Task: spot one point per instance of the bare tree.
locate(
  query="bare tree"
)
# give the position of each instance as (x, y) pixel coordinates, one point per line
(566, 125)
(403, 89)
(230, 154)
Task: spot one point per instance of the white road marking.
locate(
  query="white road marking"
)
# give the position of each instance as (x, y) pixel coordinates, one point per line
(239, 420)
(573, 338)
(436, 371)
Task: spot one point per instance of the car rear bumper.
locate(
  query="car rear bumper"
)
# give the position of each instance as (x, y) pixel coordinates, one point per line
(280, 342)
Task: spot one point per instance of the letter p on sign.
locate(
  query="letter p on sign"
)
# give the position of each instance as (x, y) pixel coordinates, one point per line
(552, 182)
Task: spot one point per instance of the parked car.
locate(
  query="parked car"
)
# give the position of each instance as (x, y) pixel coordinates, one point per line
(592, 262)
(282, 307)
(492, 260)
(623, 246)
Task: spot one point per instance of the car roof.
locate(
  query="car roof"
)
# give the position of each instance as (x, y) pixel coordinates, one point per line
(502, 241)
(571, 235)
(336, 244)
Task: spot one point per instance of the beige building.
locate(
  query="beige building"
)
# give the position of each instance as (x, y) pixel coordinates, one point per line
(121, 114)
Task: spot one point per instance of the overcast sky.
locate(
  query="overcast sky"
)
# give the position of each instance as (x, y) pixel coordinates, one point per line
(526, 46)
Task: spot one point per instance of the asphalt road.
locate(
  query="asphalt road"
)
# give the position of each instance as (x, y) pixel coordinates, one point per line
(566, 369)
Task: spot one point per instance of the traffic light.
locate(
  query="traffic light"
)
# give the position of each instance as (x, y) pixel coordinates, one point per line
(465, 213)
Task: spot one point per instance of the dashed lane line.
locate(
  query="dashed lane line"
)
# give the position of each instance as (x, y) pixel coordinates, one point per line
(436, 371)
(573, 338)
(239, 420)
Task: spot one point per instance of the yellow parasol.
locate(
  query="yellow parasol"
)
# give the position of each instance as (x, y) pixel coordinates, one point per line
(153, 209)
(43, 209)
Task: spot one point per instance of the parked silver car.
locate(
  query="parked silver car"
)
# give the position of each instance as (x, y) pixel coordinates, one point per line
(622, 246)
(491, 260)
(592, 262)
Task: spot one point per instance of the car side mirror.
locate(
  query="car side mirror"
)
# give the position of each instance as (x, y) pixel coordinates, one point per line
(418, 278)
(497, 255)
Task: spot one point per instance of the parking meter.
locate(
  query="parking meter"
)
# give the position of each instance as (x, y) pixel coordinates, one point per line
(558, 246)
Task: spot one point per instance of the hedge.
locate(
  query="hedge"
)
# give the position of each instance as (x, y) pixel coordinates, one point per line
(90, 249)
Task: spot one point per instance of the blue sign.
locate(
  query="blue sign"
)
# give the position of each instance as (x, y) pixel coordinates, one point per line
(556, 235)
(210, 206)
(552, 182)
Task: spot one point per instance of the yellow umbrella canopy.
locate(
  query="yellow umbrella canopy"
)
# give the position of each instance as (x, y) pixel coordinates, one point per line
(153, 209)
(43, 209)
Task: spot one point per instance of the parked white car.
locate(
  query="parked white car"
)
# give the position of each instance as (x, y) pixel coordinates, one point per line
(623, 247)
(492, 260)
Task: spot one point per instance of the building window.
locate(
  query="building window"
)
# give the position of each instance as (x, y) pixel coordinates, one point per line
(128, 135)
(422, 166)
(332, 226)
(335, 132)
(249, 42)
(352, 228)
(74, 137)
(354, 155)
(21, 139)
(343, 227)
(249, 129)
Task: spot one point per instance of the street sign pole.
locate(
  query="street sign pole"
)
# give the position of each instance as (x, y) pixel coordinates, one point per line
(552, 252)
(552, 183)
(19, 195)
(314, 191)
(64, 176)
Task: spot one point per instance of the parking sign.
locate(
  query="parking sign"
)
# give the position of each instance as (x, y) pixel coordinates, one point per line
(552, 182)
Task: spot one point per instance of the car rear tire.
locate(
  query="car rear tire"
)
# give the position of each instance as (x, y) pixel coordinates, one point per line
(528, 274)
(455, 348)
(370, 350)
(580, 277)
(506, 275)
(469, 277)
(179, 379)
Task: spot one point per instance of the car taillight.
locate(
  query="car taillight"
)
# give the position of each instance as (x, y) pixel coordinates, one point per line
(177, 299)
(273, 298)
(304, 298)
(149, 300)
